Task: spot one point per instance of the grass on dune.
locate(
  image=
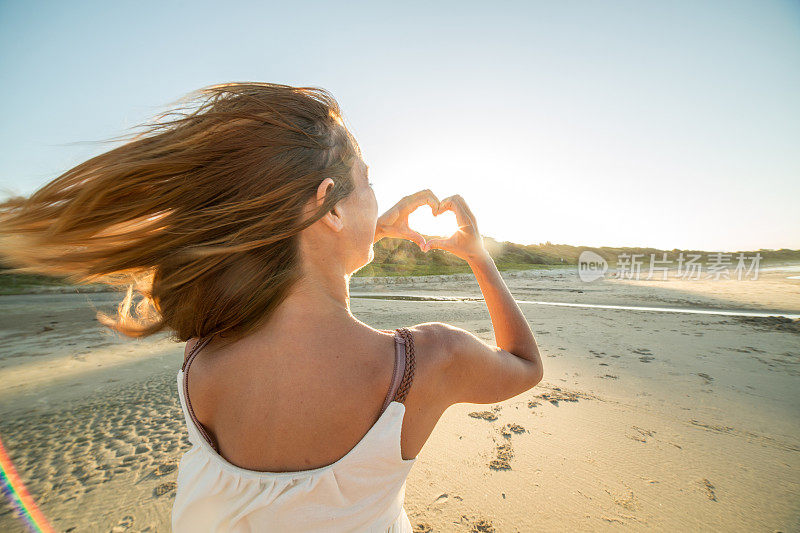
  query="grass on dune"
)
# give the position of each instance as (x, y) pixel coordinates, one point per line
(398, 257)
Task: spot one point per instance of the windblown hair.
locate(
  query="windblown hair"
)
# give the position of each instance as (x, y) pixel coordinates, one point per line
(200, 212)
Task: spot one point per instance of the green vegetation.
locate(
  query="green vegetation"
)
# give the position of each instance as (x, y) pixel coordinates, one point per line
(23, 283)
(397, 257)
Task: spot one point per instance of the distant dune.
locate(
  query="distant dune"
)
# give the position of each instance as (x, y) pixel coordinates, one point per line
(398, 257)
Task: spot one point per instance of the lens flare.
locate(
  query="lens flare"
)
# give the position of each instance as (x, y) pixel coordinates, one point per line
(18, 495)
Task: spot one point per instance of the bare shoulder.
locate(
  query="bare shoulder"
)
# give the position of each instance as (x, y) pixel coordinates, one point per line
(431, 391)
(441, 341)
(202, 390)
(435, 341)
(435, 345)
(465, 368)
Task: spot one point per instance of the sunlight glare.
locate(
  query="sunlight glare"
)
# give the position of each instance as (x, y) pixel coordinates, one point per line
(423, 221)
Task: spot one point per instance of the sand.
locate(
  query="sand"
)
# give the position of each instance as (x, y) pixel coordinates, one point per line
(644, 420)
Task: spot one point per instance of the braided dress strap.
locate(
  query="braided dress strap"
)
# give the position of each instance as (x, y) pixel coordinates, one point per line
(185, 368)
(411, 365)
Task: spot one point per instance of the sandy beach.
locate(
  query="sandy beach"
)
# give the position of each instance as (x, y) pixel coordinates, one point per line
(645, 419)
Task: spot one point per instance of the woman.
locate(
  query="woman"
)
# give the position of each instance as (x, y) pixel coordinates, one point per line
(241, 220)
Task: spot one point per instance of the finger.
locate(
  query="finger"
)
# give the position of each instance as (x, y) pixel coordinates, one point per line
(415, 237)
(450, 204)
(439, 244)
(465, 207)
(425, 197)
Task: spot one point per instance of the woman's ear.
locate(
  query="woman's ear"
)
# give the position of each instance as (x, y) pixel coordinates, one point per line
(332, 218)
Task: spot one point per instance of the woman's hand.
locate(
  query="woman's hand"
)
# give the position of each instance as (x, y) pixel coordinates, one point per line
(466, 242)
(394, 222)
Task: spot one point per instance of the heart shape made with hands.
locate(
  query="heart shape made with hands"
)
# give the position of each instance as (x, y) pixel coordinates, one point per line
(422, 221)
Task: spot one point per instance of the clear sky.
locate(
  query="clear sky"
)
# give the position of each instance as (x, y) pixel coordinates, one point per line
(666, 124)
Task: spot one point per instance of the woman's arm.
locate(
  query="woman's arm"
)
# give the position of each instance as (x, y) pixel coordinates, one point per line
(475, 371)
(511, 330)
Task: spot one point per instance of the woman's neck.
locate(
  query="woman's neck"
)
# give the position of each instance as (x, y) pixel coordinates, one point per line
(320, 297)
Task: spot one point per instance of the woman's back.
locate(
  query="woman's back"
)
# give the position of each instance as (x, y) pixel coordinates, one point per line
(362, 489)
(321, 388)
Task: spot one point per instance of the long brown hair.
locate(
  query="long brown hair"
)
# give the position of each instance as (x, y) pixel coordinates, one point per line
(199, 213)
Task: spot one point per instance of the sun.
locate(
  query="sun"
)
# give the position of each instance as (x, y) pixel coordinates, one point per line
(423, 221)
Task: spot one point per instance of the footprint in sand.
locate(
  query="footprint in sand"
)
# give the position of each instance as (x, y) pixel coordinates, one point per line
(626, 502)
(712, 427)
(164, 488)
(706, 378)
(164, 469)
(484, 415)
(504, 452)
(71, 450)
(445, 497)
(641, 434)
(123, 525)
(709, 489)
(557, 395)
(503, 455)
(509, 429)
(482, 526)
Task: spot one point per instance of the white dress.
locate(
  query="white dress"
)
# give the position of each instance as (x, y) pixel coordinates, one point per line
(362, 491)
